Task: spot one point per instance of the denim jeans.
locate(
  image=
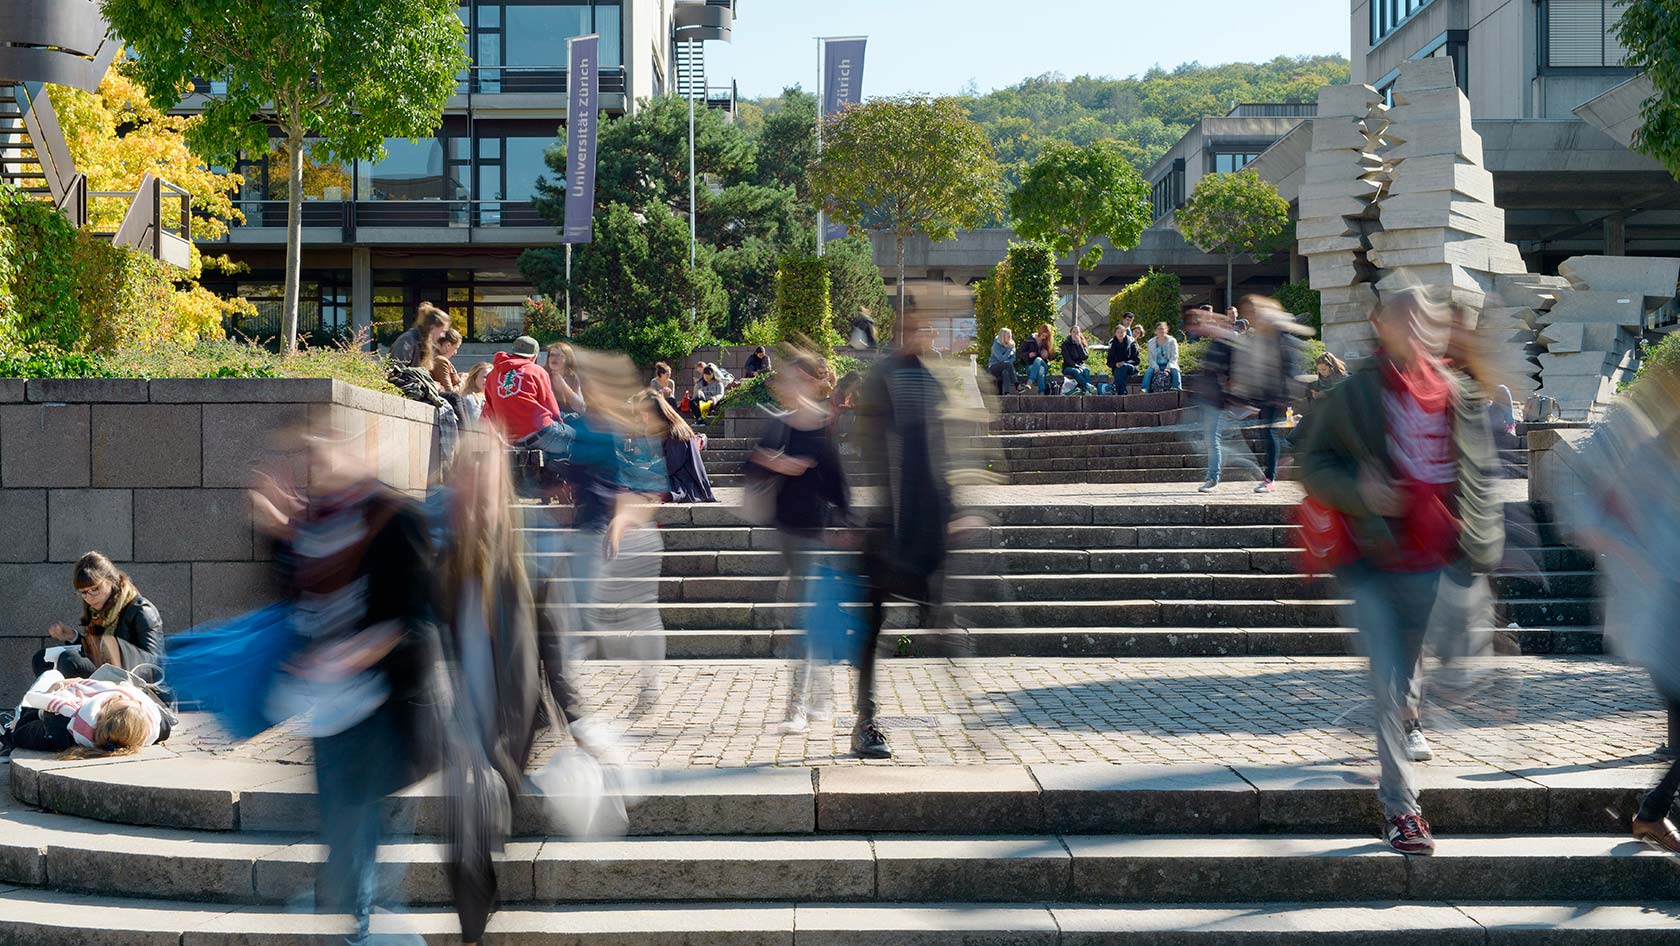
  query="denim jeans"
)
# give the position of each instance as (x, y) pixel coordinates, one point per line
(1038, 374)
(1172, 373)
(1123, 375)
(354, 771)
(1391, 612)
(1270, 416)
(555, 441)
(1081, 376)
(1213, 418)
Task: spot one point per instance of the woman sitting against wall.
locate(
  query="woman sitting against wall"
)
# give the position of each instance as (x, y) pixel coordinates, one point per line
(118, 627)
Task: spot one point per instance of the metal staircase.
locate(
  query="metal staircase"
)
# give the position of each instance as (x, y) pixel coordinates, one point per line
(35, 160)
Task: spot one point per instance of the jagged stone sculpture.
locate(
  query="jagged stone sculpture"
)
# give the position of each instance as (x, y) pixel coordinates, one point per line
(1591, 333)
(1343, 180)
(1398, 197)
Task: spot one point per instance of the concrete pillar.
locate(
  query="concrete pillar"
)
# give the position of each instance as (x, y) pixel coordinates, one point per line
(361, 289)
(1615, 235)
(1294, 264)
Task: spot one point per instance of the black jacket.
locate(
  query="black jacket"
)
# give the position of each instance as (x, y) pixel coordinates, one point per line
(139, 633)
(1073, 353)
(1213, 378)
(1122, 353)
(1029, 350)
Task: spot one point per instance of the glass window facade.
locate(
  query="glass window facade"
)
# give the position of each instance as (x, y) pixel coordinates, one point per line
(1582, 34)
(1389, 15)
(1167, 194)
(524, 163)
(1225, 163)
(520, 45)
(411, 170)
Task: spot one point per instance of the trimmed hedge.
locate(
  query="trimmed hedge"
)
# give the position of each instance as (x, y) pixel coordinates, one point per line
(1028, 294)
(803, 308)
(1155, 297)
(1301, 299)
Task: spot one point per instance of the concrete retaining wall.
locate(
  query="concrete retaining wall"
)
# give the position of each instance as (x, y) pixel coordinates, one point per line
(154, 473)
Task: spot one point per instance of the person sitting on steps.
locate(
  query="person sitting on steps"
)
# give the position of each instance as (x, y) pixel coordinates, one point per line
(1163, 357)
(1075, 352)
(1001, 364)
(1123, 357)
(519, 401)
(1036, 353)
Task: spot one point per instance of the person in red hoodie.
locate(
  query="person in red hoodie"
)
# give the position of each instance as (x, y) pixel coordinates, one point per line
(519, 401)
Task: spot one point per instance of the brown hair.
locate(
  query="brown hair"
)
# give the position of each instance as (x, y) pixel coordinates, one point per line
(673, 421)
(452, 337)
(1338, 367)
(94, 569)
(427, 318)
(661, 369)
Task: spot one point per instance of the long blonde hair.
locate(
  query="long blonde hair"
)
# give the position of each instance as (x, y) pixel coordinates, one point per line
(674, 424)
(487, 545)
(475, 376)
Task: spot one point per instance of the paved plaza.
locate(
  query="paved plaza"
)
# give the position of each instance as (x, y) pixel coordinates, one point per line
(1523, 713)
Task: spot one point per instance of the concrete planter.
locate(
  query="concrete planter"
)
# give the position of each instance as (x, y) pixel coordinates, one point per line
(154, 473)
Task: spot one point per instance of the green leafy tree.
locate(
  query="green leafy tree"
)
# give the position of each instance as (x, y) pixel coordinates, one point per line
(1233, 214)
(803, 311)
(634, 284)
(1027, 295)
(643, 159)
(787, 144)
(1156, 296)
(1073, 196)
(346, 73)
(855, 285)
(907, 165)
(1650, 31)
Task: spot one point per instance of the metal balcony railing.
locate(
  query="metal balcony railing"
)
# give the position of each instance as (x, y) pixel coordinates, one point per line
(529, 79)
(1273, 110)
(348, 215)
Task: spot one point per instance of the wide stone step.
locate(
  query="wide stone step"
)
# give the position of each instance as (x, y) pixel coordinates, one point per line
(1096, 612)
(700, 644)
(71, 854)
(1204, 511)
(1095, 420)
(1081, 585)
(225, 795)
(48, 918)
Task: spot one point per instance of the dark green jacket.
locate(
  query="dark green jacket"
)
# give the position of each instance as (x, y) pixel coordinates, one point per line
(1349, 426)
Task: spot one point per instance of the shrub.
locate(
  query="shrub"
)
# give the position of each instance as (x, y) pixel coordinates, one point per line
(218, 358)
(544, 321)
(1663, 356)
(1154, 297)
(1301, 299)
(987, 311)
(765, 331)
(646, 342)
(79, 292)
(756, 390)
(1028, 294)
(803, 309)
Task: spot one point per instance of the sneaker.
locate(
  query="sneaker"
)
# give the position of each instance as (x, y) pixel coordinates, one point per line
(1659, 834)
(1409, 834)
(795, 724)
(869, 742)
(1417, 747)
(820, 712)
(1207, 487)
(1264, 487)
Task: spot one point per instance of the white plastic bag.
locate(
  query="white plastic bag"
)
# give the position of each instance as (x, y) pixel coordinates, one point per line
(581, 799)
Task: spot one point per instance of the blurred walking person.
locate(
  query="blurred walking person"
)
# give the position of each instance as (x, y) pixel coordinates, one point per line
(356, 558)
(1630, 479)
(1264, 374)
(1212, 386)
(490, 641)
(907, 540)
(799, 456)
(1401, 458)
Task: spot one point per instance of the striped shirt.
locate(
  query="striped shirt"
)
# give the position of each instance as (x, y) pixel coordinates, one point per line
(83, 700)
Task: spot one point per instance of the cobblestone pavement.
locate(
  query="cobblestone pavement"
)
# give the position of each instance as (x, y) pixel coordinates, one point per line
(1521, 712)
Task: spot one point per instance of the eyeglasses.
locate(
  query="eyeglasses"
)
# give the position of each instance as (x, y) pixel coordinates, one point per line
(90, 592)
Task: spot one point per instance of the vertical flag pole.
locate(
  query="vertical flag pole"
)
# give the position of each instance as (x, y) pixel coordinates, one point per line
(568, 290)
(693, 209)
(820, 112)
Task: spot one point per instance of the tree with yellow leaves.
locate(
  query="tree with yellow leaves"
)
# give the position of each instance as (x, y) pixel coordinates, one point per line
(116, 135)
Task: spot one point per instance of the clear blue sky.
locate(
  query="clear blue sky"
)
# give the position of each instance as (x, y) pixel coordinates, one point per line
(938, 46)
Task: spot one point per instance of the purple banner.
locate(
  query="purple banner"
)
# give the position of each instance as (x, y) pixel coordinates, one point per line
(842, 74)
(583, 87)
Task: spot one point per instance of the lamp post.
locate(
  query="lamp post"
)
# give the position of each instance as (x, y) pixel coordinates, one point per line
(693, 23)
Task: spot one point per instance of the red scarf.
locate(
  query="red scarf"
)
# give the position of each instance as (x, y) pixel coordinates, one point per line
(1424, 459)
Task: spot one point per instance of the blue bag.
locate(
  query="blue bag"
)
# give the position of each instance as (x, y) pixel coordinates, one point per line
(229, 668)
(833, 620)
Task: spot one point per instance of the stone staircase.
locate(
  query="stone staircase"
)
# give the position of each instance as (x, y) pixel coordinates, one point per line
(1217, 579)
(211, 853)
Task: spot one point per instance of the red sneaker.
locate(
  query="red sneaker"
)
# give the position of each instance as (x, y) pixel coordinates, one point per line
(1409, 834)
